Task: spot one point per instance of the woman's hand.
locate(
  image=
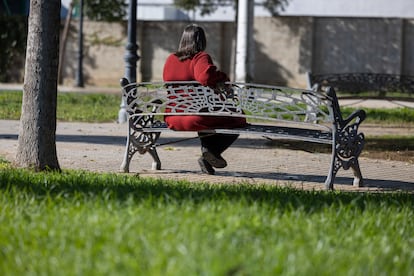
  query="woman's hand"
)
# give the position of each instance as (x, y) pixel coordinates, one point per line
(224, 89)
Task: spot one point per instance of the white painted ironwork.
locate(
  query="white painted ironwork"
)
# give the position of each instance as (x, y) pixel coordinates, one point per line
(252, 101)
(272, 111)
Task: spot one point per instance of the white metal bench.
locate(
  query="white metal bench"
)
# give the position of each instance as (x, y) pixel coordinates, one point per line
(272, 112)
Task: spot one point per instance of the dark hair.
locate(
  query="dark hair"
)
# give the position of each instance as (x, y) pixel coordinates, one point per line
(193, 40)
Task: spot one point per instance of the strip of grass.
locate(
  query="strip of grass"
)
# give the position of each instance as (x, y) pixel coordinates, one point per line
(385, 115)
(70, 106)
(83, 223)
(104, 108)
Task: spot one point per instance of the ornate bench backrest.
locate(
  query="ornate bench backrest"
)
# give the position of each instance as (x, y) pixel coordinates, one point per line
(253, 101)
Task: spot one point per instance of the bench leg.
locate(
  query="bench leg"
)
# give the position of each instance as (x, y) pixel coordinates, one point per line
(130, 150)
(345, 152)
(330, 179)
(358, 180)
(337, 164)
(156, 164)
(142, 143)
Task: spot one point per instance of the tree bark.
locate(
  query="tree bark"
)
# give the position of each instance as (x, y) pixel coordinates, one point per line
(37, 133)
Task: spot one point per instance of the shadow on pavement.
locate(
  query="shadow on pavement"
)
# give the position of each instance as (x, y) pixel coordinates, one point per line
(390, 185)
(305, 179)
(121, 140)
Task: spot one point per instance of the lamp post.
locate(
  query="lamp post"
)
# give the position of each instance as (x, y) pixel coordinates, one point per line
(79, 73)
(244, 43)
(131, 57)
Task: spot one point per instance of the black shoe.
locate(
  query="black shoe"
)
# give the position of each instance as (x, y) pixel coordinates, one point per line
(205, 166)
(214, 160)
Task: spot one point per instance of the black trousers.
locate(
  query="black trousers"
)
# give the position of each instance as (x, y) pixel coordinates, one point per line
(217, 143)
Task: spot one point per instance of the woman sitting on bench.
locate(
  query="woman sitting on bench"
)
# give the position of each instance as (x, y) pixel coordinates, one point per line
(191, 63)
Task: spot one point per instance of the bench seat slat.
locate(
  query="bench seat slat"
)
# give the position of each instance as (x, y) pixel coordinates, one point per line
(271, 132)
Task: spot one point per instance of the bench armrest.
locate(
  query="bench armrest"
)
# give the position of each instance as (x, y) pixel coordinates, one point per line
(358, 116)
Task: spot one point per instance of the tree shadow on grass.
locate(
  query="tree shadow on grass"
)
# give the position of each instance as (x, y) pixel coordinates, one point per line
(80, 186)
(306, 179)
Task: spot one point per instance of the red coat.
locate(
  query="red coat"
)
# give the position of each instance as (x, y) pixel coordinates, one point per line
(199, 68)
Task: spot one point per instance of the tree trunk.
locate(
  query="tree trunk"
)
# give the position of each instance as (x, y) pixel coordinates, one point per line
(37, 133)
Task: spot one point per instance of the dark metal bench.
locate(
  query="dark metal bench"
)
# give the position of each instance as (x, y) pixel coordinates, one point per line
(382, 85)
(272, 112)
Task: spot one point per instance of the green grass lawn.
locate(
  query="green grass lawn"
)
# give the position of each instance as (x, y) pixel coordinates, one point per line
(79, 223)
(70, 106)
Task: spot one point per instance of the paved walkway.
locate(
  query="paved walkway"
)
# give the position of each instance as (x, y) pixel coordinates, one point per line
(100, 148)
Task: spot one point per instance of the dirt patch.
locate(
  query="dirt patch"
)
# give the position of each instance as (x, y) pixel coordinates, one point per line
(393, 149)
(396, 148)
(404, 156)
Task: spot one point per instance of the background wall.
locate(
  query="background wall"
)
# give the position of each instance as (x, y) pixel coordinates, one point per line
(285, 48)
